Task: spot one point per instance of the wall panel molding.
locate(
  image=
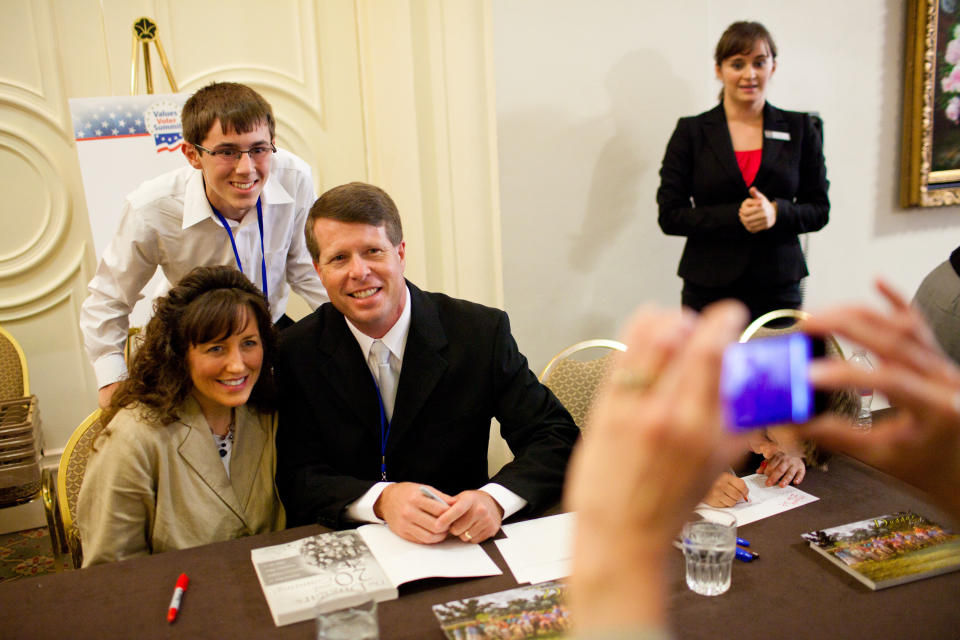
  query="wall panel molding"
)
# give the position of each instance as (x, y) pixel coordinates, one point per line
(56, 362)
(300, 43)
(52, 220)
(29, 34)
(428, 111)
(37, 300)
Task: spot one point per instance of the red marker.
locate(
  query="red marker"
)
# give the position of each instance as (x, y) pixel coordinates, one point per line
(182, 583)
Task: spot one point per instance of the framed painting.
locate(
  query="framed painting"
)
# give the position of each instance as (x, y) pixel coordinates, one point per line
(930, 160)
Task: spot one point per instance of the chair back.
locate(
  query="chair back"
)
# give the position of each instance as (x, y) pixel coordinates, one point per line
(135, 338)
(14, 381)
(759, 329)
(21, 437)
(20, 448)
(73, 465)
(574, 374)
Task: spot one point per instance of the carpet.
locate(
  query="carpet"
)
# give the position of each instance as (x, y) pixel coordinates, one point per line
(27, 553)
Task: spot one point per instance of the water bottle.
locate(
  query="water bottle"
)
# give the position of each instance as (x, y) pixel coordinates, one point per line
(864, 421)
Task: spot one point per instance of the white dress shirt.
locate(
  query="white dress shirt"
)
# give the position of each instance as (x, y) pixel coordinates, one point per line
(361, 509)
(168, 222)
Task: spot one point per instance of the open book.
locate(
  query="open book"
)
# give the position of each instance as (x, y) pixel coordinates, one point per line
(343, 568)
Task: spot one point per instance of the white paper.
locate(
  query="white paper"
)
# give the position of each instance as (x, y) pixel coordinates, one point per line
(404, 561)
(766, 501)
(540, 549)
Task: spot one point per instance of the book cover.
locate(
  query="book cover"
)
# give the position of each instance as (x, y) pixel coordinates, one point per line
(317, 574)
(533, 611)
(889, 550)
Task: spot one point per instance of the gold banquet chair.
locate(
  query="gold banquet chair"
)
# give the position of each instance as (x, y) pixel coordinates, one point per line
(135, 338)
(73, 464)
(759, 329)
(20, 433)
(575, 373)
(14, 380)
(22, 479)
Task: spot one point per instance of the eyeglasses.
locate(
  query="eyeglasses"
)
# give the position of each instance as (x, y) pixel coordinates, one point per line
(225, 156)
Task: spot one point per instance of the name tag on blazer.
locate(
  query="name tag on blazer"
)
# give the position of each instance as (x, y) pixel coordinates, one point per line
(777, 135)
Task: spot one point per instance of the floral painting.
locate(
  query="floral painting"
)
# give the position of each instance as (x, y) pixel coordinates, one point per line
(946, 117)
(930, 161)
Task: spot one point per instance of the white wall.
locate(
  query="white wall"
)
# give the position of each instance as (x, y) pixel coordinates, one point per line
(588, 94)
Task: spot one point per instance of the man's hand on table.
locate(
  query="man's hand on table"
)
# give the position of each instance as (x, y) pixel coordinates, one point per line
(412, 515)
(473, 517)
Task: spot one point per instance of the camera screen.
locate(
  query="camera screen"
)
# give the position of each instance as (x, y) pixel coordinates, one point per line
(765, 381)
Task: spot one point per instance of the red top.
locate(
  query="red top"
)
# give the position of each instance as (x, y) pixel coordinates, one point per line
(749, 162)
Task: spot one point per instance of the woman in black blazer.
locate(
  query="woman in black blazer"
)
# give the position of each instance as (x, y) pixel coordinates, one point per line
(740, 182)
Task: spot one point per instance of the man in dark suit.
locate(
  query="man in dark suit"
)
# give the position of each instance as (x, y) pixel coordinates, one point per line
(388, 389)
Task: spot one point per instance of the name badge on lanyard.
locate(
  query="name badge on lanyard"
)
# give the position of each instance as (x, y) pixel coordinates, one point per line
(233, 243)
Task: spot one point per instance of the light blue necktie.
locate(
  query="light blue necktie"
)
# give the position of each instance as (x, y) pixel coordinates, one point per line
(385, 377)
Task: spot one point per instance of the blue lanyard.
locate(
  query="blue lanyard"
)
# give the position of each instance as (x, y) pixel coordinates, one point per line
(236, 254)
(384, 432)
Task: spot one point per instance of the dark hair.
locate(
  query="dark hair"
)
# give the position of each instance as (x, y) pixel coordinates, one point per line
(354, 202)
(209, 303)
(238, 108)
(740, 38)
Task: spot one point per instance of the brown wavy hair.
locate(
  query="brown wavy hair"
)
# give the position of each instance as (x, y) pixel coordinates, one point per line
(209, 303)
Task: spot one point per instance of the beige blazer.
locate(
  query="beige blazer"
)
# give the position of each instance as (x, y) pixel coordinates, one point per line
(150, 488)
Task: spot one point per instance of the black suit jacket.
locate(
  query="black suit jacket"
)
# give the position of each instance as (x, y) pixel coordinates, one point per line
(701, 189)
(461, 367)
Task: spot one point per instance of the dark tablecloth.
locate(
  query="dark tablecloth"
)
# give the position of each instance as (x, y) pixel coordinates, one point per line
(790, 592)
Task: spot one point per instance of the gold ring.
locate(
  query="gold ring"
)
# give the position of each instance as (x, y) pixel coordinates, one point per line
(632, 379)
(467, 533)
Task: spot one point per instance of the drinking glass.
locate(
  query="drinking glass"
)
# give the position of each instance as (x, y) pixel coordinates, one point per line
(709, 543)
(351, 623)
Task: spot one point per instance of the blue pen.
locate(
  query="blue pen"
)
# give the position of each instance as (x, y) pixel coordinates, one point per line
(743, 543)
(746, 556)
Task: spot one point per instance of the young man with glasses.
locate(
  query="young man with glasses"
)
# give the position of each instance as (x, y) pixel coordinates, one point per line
(241, 202)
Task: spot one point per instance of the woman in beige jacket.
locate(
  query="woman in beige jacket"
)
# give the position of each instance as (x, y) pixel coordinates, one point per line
(188, 455)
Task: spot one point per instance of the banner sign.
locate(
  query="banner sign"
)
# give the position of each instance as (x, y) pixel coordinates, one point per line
(121, 142)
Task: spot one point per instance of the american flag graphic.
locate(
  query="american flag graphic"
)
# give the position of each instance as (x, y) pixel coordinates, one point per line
(168, 141)
(105, 118)
(101, 121)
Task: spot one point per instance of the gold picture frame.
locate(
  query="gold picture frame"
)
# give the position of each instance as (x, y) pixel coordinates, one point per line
(930, 159)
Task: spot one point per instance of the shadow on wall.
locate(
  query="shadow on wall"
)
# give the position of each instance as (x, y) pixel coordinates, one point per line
(580, 234)
(897, 220)
(636, 86)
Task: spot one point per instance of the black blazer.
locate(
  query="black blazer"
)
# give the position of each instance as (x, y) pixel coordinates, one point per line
(701, 189)
(461, 367)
